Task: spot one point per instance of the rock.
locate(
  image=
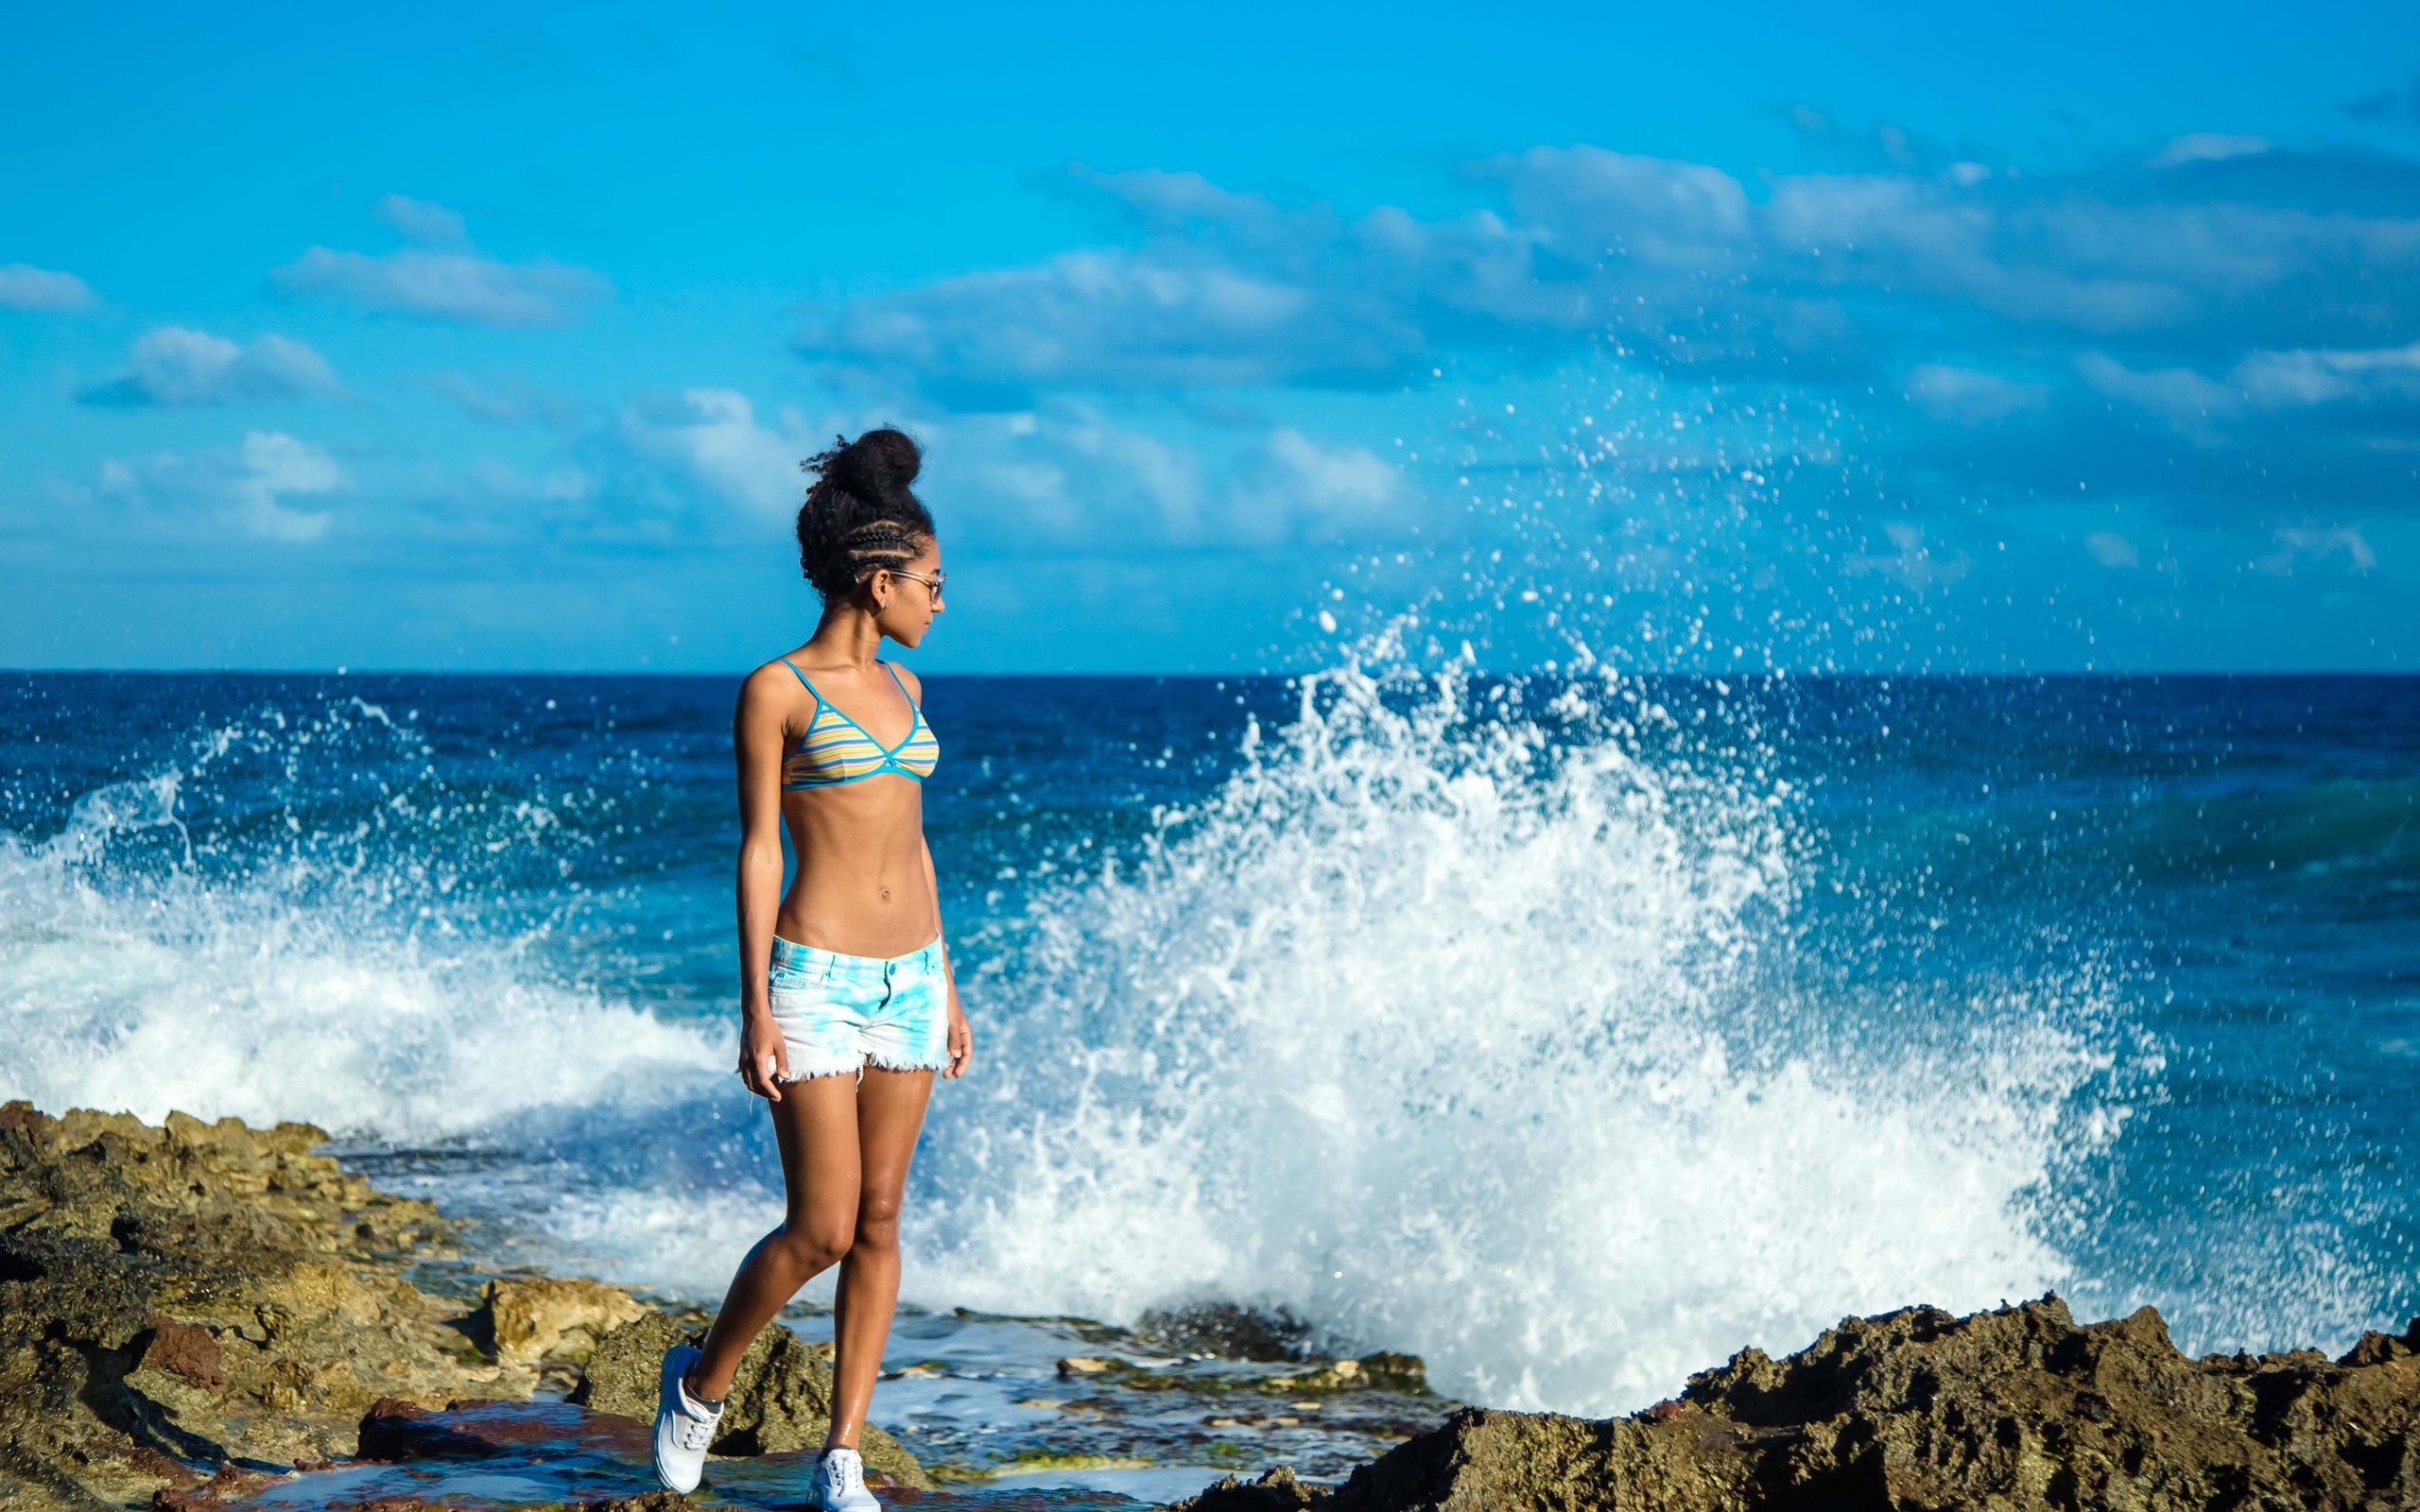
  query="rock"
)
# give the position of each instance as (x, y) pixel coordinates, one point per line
(181, 1298)
(407, 1433)
(1276, 1491)
(1083, 1365)
(1227, 1330)
(527, 1319)
(398, 1432)
(1395, 1372)
(184, 1349)
(1406, 1373)
(2017, 1410)
(229, 1486)
(781, 1397)
(174, 1299)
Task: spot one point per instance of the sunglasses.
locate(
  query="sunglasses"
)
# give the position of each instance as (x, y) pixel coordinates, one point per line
(932, 584)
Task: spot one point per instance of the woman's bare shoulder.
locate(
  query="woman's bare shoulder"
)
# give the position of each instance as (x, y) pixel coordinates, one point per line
(776, 681)
(915, 684)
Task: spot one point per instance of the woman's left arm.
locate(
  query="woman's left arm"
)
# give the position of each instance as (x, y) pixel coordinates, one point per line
(961, 1039)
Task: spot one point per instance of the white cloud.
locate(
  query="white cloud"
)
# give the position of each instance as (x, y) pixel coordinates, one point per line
(2077, 263)
(1121, 474)
(1591, 203)
(2181, 394)
(2280, 379)
(1073, 476)
(1067, 475)
(173, 366)
(709, 437)
(1335, 481)
(1672, 260)
(1969, 395)
(1160, 198)
(2318, 543)
(1911, 562)
(1108, 319)
(433, 286)
(25, 288)
(420, 220)
(275, 465)
(2206, 147)
(248, 491)
(2111, 549)
(2264, 381)
(1300, 489)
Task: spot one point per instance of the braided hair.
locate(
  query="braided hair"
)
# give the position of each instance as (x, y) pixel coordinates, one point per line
(859, 516)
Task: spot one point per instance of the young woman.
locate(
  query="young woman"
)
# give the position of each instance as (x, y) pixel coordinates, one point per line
(845, 998)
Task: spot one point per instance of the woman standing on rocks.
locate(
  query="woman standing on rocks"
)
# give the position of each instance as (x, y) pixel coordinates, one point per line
(846, 1004)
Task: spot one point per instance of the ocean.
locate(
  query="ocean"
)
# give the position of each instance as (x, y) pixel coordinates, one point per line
(1570, 1032)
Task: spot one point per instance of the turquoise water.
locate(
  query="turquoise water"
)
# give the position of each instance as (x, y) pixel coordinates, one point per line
(1570, 1033)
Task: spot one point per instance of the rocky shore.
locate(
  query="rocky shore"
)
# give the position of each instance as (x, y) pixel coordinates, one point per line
(187, 1308)
(195, 1315)
(2012, 1410)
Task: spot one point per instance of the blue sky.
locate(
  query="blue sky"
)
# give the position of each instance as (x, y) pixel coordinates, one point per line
(1742, 336)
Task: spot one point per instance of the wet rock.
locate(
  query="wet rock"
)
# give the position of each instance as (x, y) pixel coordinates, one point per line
(177, 1298)
(2017, 1410)
(530, 1318)
(228, 1485)
(1227, 1332)
(781, 1397)
(1276, 1491)
(400, 1431)
(1406, 1373)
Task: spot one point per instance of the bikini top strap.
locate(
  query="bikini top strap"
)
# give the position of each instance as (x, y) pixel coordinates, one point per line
(801, 680)
(917, 707)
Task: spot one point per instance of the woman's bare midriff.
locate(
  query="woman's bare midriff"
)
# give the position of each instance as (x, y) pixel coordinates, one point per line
(860, 887)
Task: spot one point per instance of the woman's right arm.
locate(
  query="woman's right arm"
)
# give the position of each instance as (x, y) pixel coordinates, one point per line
(756, 743)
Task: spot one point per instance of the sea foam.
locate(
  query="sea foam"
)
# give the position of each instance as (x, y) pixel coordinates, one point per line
(1460, 1020)
(320, 975)
(1460, 1028)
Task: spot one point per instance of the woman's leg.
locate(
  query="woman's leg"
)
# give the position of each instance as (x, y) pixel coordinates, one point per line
(814, 1124)
(891, 1114)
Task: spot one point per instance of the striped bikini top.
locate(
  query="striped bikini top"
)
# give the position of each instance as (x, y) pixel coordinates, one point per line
(836, 749)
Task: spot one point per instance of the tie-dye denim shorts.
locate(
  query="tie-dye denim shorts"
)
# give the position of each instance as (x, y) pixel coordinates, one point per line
(842, 1013)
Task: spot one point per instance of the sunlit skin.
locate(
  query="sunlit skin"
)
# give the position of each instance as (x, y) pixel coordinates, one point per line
(864, 886)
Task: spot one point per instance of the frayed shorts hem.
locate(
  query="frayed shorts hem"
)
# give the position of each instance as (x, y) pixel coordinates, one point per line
(869, 1063)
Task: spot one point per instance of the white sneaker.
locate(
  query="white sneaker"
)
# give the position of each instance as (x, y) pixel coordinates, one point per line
(683, 1428)
(840, 1482)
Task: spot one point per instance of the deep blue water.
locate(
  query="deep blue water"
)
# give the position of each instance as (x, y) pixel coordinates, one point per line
(1571, 1034)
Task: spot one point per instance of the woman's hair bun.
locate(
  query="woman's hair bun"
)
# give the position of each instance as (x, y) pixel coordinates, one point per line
(860, 515)
(878, 465)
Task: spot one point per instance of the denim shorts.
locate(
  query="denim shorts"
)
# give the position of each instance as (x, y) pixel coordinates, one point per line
(842, 1013)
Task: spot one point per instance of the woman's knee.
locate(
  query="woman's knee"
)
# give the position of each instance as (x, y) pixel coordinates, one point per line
(818, 1241)
(878, 1226)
